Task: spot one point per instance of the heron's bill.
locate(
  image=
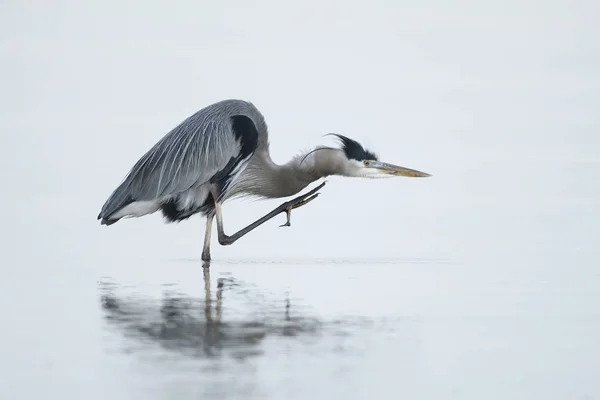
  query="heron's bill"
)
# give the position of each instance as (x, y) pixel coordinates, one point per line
(401, 171)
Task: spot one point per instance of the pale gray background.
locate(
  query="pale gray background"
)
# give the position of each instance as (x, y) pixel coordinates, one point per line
(480, 282)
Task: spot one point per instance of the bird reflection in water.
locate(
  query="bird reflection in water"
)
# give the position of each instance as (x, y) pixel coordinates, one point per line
(196, 327)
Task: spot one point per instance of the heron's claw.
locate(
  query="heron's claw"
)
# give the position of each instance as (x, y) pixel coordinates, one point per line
(288, 214)
(299, 202)
(288, 210)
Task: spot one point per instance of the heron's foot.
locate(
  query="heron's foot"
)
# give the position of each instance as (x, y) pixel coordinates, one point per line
(299, 202)
(206, 255)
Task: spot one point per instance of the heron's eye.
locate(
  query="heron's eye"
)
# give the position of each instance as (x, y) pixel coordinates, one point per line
(366, 163)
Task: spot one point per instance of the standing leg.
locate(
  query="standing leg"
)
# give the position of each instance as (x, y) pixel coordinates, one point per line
(206, 248)
(285, 207)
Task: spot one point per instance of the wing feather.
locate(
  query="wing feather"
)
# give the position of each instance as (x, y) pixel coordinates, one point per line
(186, 157)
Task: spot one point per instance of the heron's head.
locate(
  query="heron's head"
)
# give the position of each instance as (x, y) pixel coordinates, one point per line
(362, 163)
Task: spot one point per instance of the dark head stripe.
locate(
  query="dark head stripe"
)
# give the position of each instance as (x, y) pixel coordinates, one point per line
(354, 150)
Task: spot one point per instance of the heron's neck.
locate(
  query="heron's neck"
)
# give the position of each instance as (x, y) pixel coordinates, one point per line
(267, 179)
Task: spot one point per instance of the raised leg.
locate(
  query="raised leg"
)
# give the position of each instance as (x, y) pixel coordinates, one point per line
(286, 207)
(206, 248)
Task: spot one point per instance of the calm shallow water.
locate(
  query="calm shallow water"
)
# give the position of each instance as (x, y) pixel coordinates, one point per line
(302, 328)
(387, 328)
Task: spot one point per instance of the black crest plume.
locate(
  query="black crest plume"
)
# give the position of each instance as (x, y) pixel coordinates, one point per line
(354, 150)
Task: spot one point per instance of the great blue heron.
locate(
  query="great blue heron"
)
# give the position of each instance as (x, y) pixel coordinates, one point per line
(221, 152)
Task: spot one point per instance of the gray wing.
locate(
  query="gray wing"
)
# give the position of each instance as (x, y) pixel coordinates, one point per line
(185, 158)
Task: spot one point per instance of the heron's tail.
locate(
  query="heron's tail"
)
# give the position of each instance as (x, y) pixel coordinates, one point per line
(106, 221)
(119, 199)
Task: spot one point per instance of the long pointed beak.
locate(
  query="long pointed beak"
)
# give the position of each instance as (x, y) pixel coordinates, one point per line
(400, 171)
